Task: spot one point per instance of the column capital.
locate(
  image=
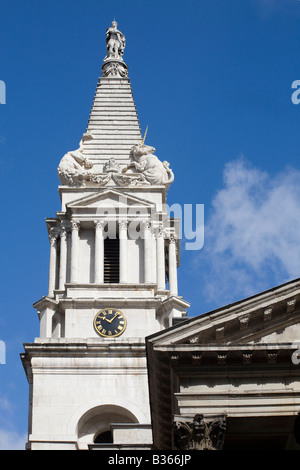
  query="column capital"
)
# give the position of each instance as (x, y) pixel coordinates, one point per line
(99, 224)
(64, 228)
(123, 224)
(160, 232)
(53, 235)
(202, 433)
(172, 239)
(146, 224)
(75, 224)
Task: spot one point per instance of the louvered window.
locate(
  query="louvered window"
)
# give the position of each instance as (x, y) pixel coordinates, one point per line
(111, 260)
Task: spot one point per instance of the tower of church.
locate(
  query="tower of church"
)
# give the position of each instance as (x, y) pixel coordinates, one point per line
(114, 253)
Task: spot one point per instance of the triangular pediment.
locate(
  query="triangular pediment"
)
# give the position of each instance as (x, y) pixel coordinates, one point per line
(271, 317)
(110, 199)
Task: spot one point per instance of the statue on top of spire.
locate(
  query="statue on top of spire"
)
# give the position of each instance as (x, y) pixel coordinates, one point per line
(113, 64)
(115, 42)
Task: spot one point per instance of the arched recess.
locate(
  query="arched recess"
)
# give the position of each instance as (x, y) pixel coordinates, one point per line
(97, 421)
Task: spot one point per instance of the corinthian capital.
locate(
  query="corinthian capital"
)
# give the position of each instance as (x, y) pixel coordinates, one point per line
(75, 224)
(64, 228)
(53, 235)
(146, 225)
(160, 232)
(99, 224)
(123, 224)
(172, 239)
(201, 434)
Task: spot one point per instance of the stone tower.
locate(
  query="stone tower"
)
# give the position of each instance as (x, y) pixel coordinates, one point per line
(114, 254)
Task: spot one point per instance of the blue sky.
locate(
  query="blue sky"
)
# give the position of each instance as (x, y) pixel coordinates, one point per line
(212, 79)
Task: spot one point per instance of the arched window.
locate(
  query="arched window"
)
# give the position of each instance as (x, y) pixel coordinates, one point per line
(94, 425)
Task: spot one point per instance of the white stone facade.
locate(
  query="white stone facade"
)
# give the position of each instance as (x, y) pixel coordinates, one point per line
(237, 365)
(81, 383)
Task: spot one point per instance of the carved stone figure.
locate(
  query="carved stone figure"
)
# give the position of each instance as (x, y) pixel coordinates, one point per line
(153, 170)
(74, 167)
(115, 42)
(76, 170)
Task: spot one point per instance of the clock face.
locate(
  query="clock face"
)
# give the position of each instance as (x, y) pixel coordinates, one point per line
(110, 323)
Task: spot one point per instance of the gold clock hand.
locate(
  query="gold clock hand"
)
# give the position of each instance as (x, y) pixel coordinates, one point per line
(112, 319)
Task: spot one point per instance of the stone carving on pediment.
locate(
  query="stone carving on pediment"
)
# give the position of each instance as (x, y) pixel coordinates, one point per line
(194, 339)
(290, 305)
(220, 333)
(244, 322)
(268, 314)
(200, 434)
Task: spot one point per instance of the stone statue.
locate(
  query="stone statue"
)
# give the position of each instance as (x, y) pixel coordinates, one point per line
(74, 167)
(115, 42)
(153, 170)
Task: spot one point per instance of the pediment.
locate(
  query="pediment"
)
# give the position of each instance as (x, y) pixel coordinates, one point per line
(271, 317)
(110, 199)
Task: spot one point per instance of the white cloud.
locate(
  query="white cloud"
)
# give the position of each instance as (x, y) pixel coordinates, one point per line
(252, 237)
(12, 440)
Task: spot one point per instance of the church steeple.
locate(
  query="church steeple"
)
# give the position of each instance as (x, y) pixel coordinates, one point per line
(114, 254)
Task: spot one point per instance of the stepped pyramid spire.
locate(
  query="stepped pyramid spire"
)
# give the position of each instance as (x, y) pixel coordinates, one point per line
(113, 120)
(112, 150)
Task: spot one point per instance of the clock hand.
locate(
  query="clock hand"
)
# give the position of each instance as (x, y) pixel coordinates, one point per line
(112, 319)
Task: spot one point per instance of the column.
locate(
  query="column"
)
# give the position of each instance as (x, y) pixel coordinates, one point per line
(147, 252)
(172, 267)
(52, 263)
(123, 264)
(46, 317)
(74, 250)
(99, 252)
(160, 259)
(63, 257)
